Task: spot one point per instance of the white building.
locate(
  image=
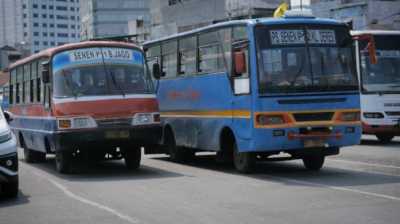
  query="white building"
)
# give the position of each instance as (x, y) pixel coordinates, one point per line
(48, 23)
(106, 18)
(11, 23)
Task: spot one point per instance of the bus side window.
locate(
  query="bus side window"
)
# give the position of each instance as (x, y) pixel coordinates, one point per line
(13, 80)
(169, 59)
(33, 84)
(26, 87)
(20, 81)
(187, 55)
(240, 46)
(210, 53)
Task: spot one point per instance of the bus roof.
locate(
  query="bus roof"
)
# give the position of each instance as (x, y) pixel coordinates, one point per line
(263, 21)
(375, 32)
(51, 51)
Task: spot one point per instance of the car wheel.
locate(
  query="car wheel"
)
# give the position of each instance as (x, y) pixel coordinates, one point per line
(314, 162)
(385, 138)
(63, 161)
(132, 157)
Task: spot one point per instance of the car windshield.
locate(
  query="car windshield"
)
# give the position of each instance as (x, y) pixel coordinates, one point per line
(383, 77)
(88, 73)
(289, 64)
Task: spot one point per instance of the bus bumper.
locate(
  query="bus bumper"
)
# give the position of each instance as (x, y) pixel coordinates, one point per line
(299, 139)
(381, 129)
(110, 137)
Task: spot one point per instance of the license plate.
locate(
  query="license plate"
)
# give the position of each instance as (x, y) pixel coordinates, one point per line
(314, 143)
(117, 134)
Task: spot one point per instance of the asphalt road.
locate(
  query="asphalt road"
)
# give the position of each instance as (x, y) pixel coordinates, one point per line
(362, 185)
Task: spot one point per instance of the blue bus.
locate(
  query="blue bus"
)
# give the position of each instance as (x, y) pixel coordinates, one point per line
(254, 89)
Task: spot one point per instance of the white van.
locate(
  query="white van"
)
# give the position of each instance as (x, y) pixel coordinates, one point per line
(8, 158)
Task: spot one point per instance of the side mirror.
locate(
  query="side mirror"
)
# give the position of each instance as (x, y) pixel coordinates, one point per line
(156, 71)
(239, 59)
(45, 72)
(8, 116)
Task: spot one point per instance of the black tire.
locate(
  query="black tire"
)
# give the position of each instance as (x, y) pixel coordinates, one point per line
(132, 157)
(175, 153)
(10, 189)
(32, 156)
(314, 162)
(383, 138)
(244, 162)
(63, 161)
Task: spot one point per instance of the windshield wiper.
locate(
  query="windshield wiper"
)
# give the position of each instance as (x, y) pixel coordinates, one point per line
(111, 74)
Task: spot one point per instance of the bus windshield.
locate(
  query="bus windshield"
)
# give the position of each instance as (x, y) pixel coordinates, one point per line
(88, 73)
(383, 77)
(311, 58)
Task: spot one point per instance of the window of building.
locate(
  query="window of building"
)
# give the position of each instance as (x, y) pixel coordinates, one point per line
(24, 15)
(36, 43)
(35, 6)
(52, 43)
(25, 34)
(35, 15)
(25, 25)
(51, 7)
(44, 34)
(62, 26)
(36, 24)
(52, 34)
(44, 6)
(51, 16)
(72, 17)
(72, 26)
(51, 25)
(72, 8)
(44, 16)
(44, 25)
(62, 34)
(45, 43)
(35, 34)
(24, 6)
(61, 8)
(73, 35)
(62, 17)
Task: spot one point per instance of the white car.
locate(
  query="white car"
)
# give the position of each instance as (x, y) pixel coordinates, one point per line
(8, 158)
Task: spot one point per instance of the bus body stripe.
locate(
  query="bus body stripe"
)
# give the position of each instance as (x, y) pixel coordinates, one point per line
(99, 98)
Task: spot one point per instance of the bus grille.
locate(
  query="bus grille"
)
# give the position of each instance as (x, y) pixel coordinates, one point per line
(117, 122)
(393, 113)
(320, 116)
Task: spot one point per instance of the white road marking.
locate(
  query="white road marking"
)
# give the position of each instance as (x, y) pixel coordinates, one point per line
(365, 164)
(70, 194)
(336, 188)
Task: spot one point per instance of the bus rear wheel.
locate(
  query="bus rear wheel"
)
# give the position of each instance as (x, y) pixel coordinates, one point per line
(384, 138)
(63, 161)
(132, 157)
(176, 154)
(314, 162)
(244, 161)
(32, 156)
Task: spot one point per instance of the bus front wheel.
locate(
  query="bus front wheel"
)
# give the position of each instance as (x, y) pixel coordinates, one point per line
(244, 161)
(384, 138)
(63, 161)
(314, 162)
(132, 157)
(10, 189)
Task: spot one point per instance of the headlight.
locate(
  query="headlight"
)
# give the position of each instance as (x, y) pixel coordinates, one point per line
(5, 136)
(76, 123)
(350, 116)
(145, 118)
(375, 115)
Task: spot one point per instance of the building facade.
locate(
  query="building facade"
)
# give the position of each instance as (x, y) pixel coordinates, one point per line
(362, 14)
(11, 28)
(49, 23)
(105, 18)
(174, 16)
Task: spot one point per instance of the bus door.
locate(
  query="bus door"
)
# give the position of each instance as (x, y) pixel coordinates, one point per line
(241, 101)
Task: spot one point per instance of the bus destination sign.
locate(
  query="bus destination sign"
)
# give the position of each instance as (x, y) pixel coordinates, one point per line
(293, 37)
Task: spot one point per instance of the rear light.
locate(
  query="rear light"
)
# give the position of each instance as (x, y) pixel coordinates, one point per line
(350, 116)
(374, 115)
(265, 119)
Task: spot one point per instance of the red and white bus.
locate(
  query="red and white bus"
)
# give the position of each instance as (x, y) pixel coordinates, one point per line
(86, 101)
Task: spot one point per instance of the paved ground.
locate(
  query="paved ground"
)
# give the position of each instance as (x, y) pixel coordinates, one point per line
(362, 185)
